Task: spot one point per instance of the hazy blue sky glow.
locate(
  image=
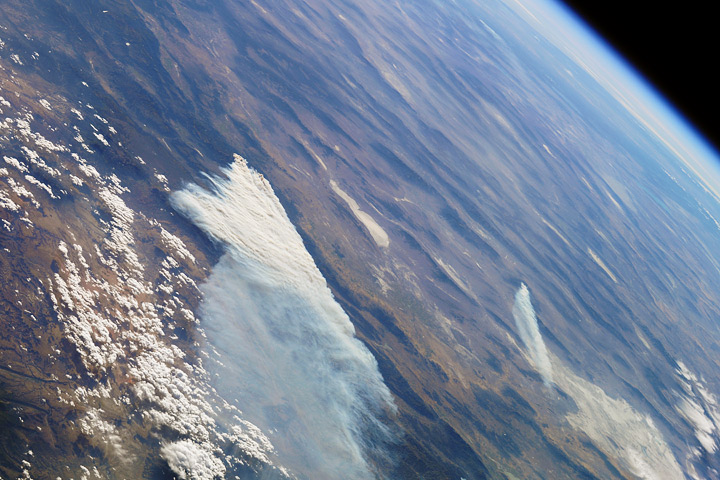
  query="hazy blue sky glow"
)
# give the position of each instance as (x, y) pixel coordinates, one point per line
(570, 33)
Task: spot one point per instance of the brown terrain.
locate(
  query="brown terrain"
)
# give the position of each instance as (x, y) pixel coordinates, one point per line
(431, 164)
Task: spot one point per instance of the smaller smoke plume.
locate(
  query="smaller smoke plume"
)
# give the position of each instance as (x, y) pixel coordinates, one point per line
(613, 424)
(527, 324)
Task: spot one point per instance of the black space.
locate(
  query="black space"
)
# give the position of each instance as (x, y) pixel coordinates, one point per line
(674, 45)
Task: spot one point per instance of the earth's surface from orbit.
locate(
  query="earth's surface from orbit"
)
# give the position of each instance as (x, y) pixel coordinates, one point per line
(340, 239)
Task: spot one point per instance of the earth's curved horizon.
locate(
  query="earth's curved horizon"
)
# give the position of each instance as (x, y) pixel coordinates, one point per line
(348, 240)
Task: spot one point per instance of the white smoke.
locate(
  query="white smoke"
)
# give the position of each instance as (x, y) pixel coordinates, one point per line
(527, 325)
(612, 423)
(288, 351)
(617, 428)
